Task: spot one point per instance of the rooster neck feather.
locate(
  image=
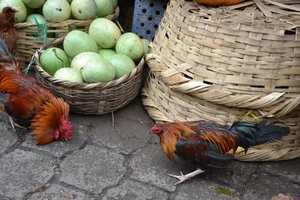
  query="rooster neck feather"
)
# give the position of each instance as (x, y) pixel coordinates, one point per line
(47, 120)
(196, 131)
(171, 133)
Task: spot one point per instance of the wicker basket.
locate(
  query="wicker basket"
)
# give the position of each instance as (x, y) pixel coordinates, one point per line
(95, 98)
(28, 44)
(163, 104)
(245, 55)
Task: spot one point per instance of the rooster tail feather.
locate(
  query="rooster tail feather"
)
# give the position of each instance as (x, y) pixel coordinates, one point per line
(249, 134)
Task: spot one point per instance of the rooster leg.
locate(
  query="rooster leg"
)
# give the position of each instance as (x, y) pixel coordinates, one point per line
(14, 124)
(183, 177)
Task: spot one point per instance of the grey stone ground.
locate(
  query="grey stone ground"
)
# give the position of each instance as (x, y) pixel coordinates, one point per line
(124, 163)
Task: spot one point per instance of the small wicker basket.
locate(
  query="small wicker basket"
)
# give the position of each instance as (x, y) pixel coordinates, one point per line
(28, 44)
(95, 98)
(245, 55)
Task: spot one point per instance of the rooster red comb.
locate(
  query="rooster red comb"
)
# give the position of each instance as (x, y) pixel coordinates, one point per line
(156, 129)
(8, 9)
(66, 133)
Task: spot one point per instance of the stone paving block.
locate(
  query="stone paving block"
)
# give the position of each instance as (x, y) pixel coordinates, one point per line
(288, 169)
(207, 190)
(124, 136)
(8, 136)
(264, 186)
(151, 166)
(58, 192)
(59, 148)
(130, 190)
(92, 169)
(21, 171)
(135, 111)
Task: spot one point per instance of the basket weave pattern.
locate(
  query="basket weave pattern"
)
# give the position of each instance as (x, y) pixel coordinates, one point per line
(28, 44)
(243, 55)
(94, 98)
(216, 63)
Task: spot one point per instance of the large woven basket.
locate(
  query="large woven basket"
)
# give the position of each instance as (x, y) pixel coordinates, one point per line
(28, 44)
(218, 63)
(246, 55)
(163, 104)
(94, 98)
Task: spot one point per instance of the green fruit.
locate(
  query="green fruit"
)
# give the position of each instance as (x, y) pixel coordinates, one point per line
(146, 47)
(105, 32)
(98, 70)
(106, 53)
(34, 3)
(131, 45)
(105, 7)
(83, 9)
(68, 74)
(53, 59)
(77, 42)
(79, 61)
(122, 64)
(56, 10)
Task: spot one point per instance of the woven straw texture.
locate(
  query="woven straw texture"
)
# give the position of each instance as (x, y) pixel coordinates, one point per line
(28, 44)
(95, 98)
(246, 55)
(200, 71)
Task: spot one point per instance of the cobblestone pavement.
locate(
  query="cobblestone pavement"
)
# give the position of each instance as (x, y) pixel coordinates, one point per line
(123, 161)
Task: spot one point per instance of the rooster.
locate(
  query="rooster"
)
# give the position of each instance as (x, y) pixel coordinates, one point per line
(24, 100)
(8, 33)
(205, 145)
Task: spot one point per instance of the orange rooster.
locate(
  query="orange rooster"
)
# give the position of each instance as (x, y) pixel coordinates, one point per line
(23, 99)
(8, 33)
(205, 145)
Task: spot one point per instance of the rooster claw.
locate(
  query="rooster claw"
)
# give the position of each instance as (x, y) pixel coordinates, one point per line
(14, 124)
(186, 177)
(181, 178)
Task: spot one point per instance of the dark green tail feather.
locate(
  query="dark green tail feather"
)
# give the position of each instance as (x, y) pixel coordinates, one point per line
(249, 134)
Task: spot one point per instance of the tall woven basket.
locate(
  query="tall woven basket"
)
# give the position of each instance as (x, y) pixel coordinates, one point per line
(218, 63)
(246, 55)
(29, 41)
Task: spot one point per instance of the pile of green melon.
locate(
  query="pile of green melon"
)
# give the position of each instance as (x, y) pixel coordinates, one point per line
(59, 10)
(101, 55)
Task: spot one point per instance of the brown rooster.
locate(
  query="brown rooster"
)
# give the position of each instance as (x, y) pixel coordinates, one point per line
(205, 145)
(8, 33)
(23, 99)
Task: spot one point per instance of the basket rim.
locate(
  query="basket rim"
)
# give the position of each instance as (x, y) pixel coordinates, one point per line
(84, 86)
(112, 16)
